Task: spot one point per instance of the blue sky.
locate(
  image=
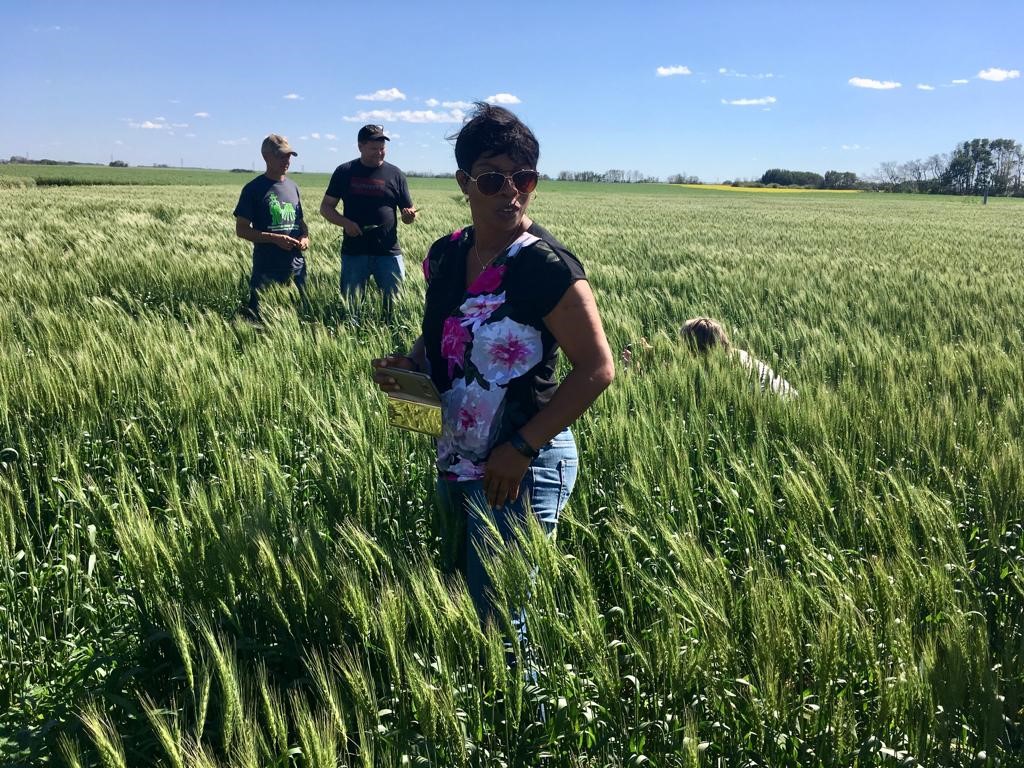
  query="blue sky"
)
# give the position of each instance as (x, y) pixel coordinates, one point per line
(721, 90)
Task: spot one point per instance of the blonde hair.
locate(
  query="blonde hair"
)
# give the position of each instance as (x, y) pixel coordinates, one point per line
(703, 333)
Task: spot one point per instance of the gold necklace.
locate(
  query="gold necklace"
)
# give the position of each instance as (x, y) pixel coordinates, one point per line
(484, 264)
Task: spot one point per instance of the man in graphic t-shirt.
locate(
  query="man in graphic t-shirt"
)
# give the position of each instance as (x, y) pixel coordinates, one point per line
(371, 190)
(269, 215)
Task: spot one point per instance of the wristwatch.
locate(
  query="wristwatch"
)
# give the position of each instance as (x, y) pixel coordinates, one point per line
(518, 442)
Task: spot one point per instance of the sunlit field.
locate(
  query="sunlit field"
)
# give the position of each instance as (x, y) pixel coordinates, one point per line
(215, 552)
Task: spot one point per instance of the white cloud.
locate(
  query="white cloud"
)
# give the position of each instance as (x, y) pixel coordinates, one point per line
(201, 114)
(292, 97)
(190, 135)
(315, 135)
(997, 75)
(406, 116)
(849, 147)
(175, 101)
(501, 98)
(454, 104)
(751, 102)
(332, 149)
(961, 81)
(150, 125)
(118, 142)
(330, 136)
(233, 142)
(179, 125)
(878, 85)
(385, 94)
(925, 87)
(160, 119)
(678, 69)
(733, 73)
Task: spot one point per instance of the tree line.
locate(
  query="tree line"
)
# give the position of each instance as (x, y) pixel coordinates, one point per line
(975, 167)
(780, 177)
(612, 176)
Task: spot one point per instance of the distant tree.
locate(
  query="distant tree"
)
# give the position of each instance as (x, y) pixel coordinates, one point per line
(1004, 165)
(1018, 178)
(589, 176)
(682, 178)
(840, 180)
(118, 164)
(890, 175)
(936, 166)
(786, 178)
(970, 168)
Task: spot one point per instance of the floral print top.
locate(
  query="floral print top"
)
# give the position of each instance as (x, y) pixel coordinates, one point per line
(489, 352)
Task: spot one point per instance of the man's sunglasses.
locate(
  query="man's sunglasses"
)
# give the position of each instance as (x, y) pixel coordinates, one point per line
(492, 182)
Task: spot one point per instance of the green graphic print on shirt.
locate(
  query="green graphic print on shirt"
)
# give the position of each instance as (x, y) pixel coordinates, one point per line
(282, 217)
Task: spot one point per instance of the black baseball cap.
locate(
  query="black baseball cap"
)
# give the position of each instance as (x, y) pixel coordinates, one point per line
(372, 133)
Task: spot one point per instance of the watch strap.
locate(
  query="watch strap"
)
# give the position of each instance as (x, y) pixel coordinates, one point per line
(518, 442)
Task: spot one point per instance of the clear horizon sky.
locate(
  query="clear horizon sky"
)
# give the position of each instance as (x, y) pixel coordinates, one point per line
(719, 90)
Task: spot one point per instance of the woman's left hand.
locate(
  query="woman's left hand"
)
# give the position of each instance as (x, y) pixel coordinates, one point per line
(503, 474)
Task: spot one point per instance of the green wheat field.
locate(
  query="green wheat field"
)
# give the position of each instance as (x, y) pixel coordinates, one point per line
(215, 552)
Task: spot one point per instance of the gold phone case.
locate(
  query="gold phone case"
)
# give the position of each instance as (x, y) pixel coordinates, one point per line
(407, 412)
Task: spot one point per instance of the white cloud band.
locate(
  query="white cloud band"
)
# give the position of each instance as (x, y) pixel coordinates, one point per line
(750, 102)
(996, 75)
(384, 94)
(406, 116)
(503, 98)
(878, 85)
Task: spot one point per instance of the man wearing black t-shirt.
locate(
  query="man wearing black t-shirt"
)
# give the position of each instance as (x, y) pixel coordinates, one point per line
(269, 215)
(371, 190)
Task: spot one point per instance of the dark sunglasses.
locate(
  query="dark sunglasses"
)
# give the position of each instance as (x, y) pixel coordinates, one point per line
(492, 182)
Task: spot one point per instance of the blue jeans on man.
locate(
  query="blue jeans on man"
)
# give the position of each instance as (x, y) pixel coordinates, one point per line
(281, 270)
(388, 271)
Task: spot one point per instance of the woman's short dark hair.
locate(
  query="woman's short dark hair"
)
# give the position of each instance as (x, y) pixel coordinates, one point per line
(703, 334)
(492, 130)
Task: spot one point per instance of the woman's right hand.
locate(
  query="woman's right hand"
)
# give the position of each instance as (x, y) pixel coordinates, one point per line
(381, 379)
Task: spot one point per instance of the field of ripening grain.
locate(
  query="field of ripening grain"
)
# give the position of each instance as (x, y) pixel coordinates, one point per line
(215, 552)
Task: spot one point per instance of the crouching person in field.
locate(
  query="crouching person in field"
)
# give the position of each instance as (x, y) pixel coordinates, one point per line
(269, 215)
(703, 334)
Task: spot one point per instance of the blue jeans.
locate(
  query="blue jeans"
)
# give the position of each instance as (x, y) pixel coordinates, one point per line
(276, 268)
(544, 491)
(388, 272)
